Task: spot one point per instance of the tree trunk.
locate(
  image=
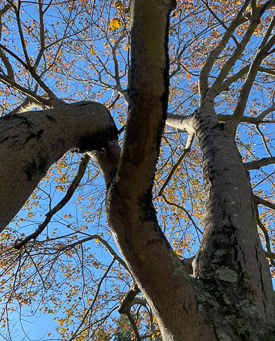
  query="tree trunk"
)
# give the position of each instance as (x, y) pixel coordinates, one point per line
(31, 142)
(231, 259)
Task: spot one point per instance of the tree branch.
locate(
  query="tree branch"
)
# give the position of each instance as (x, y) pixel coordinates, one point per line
(261, 54)
(203, 80)
(260, 201)
(70, 192)
(78, 331)
(38, 139)
(185, 151)
(259, 163)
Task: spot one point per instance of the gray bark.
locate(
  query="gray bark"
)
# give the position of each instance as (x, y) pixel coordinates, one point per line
(231, 254)
(230, 295)
(31, 142)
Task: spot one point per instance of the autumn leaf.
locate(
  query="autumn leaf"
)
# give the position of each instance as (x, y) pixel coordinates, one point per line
(115, 24)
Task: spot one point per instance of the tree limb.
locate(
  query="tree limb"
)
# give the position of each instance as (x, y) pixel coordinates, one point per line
(261, 201)
(38, 139)
(70, 192)
(203, 80)
(259, 163)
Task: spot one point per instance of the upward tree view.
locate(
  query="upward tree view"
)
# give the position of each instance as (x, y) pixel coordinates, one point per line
(137, 170)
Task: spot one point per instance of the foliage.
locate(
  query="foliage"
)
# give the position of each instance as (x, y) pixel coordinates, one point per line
(80, 50)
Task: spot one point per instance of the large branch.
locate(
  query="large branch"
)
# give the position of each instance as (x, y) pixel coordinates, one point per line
(31, 142)
(129, 202)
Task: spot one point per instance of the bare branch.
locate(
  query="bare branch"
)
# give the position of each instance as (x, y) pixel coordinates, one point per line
(261, 201)
(220, 21)
(7, 64)
(25, 91)
(236, 55)
(127, 301)
(42, 34)
(262, 53)
(266, 112)
(264, 141)
(187, 213)
(260, 163)
(185, 151)
(78, 331)
(263, 228)
(125, 308)
(81, 171)
(104, 243)
(245, 119)
(31, 70)
(203, 81)
(225, 85)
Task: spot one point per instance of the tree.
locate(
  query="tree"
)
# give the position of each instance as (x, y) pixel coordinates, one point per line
(229, 295)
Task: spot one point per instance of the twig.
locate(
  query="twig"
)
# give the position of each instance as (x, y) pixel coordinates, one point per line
(185, 151)
(187, 213)
(77, 332)
(81, 170)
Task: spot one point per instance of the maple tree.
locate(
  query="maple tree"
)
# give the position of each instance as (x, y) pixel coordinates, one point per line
(194, 235)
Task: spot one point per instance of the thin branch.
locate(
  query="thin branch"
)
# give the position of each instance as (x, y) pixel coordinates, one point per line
(31, 70)
(185, 151)
(81, 171)
(266, 112)
(203, 81)
(264, 141)
(225, 85)
(127, 300)
(125, 308)
(187, 213)
(78, 332)
(236, 55)
(134, 325)
(7, 64)
(261, 201)
(103, 242)
(259, 163)
(220, 21)
(21, 34)
(24, 91)
(244, 93)
(263, 228)
(41, 33)
(265, 178)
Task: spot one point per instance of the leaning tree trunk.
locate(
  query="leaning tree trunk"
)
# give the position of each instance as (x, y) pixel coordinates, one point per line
(31, 142)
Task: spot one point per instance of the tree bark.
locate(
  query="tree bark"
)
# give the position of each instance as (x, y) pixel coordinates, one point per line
(131, 214)
(231, 258)
(31, 142)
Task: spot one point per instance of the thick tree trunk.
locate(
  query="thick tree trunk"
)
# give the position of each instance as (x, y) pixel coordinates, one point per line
(155, 267)
(31, 142)
(231, 257)
(230, 297)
